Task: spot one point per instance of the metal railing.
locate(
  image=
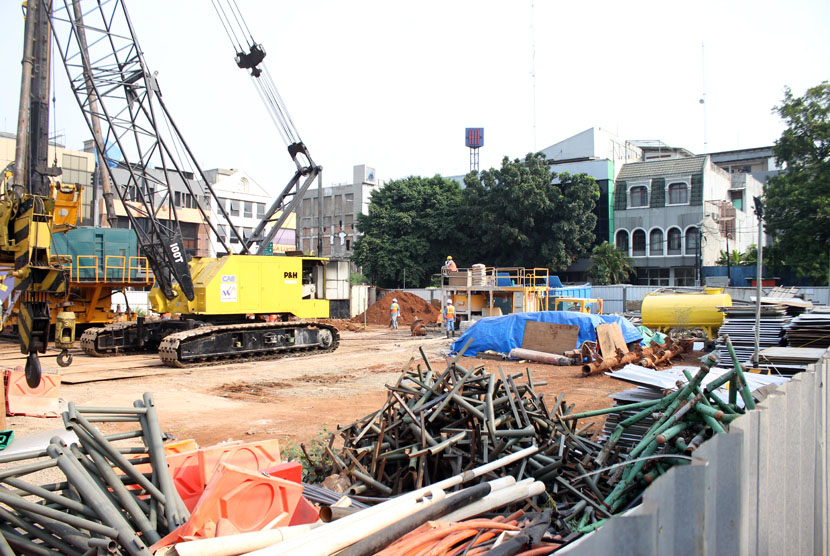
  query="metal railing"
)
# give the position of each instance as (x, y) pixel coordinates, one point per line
(116, 268)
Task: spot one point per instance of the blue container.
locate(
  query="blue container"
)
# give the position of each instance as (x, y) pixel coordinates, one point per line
(84, 244)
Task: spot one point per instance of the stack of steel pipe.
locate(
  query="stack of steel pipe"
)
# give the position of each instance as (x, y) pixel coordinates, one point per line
(680, 422)
(367, 531)
(105, 502)
(434, 425)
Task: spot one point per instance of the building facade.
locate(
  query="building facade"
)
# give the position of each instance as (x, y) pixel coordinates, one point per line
(245, 202)
(341, 205)
(676, 215)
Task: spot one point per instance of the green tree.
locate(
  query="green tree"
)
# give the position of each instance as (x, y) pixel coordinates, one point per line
(798, 200)
(410, 229)
(609, 265)
(734, 258)
(522, 214)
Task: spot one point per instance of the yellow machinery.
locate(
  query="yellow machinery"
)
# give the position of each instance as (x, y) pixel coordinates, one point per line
(488, 291)
(664, 311)
(251, 285)
(578, 304)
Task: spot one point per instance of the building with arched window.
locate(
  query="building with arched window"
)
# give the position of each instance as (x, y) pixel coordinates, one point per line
(673, 216)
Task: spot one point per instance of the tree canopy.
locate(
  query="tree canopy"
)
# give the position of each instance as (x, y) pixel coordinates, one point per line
(610, 265)
(410, 228)
(521, 214)
(798, 200)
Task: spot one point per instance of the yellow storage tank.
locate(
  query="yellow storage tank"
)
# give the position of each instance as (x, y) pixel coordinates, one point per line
(664, 311)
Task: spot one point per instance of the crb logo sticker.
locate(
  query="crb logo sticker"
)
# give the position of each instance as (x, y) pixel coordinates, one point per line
(227, 290)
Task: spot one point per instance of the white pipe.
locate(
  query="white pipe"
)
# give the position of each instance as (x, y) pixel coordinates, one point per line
(520, 491)
(333, 529)
(231, 545)
(328, 542)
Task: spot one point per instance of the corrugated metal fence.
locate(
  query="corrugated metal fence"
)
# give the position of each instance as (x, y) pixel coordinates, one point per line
(613, 296)
(762, 488)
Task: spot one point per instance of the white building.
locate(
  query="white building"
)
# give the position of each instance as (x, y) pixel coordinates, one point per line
(245, 202)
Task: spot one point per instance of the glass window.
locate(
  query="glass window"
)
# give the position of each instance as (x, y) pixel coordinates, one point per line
(691, 241)
(260, 210)
(639, 196)
(655, 243)
(177, 199)
(234, 208)
(678, 193)
(675, 237)
(684, 276)
(653, 276)
(249, 209)
(638, 239)
(622, 241)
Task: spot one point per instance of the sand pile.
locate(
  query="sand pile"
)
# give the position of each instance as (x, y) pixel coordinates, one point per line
(411, 305)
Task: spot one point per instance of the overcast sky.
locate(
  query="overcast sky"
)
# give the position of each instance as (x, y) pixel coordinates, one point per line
(393, 84)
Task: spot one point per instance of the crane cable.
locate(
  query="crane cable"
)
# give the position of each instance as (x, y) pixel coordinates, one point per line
(243, 42)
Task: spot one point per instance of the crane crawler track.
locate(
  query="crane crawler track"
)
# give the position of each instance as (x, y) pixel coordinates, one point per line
(89, 340)
(181, 349)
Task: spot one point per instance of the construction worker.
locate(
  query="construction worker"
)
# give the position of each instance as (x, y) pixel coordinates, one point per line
(394, 313)
(449, 319)
(449, 265)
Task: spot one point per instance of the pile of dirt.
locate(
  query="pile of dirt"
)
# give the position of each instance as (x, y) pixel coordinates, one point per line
(411, 305)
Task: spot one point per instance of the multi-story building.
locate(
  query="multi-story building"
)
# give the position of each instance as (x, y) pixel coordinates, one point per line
(599, 154)
(77, 167)
(341, 205)
(676, 215)
(245, 202)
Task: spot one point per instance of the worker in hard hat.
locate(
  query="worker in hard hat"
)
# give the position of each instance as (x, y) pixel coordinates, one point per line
(449, 265)
(394, 313)
(449, 318)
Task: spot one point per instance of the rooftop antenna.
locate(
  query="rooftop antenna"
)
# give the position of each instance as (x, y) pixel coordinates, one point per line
(703, 97)
(533, 65)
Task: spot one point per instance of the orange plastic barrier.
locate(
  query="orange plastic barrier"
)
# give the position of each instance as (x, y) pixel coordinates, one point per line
(290, 471)
(238, 500)
(191, 471)
(42, 401)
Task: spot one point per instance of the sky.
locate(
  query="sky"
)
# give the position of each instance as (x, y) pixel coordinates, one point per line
(394, 84)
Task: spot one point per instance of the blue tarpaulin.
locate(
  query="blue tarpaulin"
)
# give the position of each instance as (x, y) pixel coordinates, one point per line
(506, 332)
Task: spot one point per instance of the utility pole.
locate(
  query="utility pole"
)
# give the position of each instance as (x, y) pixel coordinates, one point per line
(759, 277)
(728, 261)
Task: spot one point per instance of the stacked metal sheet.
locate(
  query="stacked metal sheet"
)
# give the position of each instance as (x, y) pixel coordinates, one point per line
(633, 434)
(739, 325)
(790, 360)
(810, 330)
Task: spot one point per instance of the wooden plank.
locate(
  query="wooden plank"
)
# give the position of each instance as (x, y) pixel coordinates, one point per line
(114, 374)
(550, 337)
(609, 338)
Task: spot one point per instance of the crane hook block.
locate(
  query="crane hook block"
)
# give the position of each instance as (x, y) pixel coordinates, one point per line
(252, 59)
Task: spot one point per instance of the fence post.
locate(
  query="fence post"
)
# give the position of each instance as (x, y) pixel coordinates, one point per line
(624, 299)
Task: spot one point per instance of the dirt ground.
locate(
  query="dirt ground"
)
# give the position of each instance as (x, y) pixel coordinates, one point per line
(289, 399)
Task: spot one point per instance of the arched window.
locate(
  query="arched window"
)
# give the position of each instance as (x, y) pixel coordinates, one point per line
(678, 193)
(622, 241)
(655, 243)
(638, 240)
(639, 196)
(691, 241)
(675, 240)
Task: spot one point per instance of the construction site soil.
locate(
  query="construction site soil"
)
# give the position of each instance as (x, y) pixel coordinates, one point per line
(412, 307)
(290, 399)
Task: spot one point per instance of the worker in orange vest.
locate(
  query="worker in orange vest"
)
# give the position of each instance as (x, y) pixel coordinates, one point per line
(449, 265)
(394, 313)
(449, 319)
